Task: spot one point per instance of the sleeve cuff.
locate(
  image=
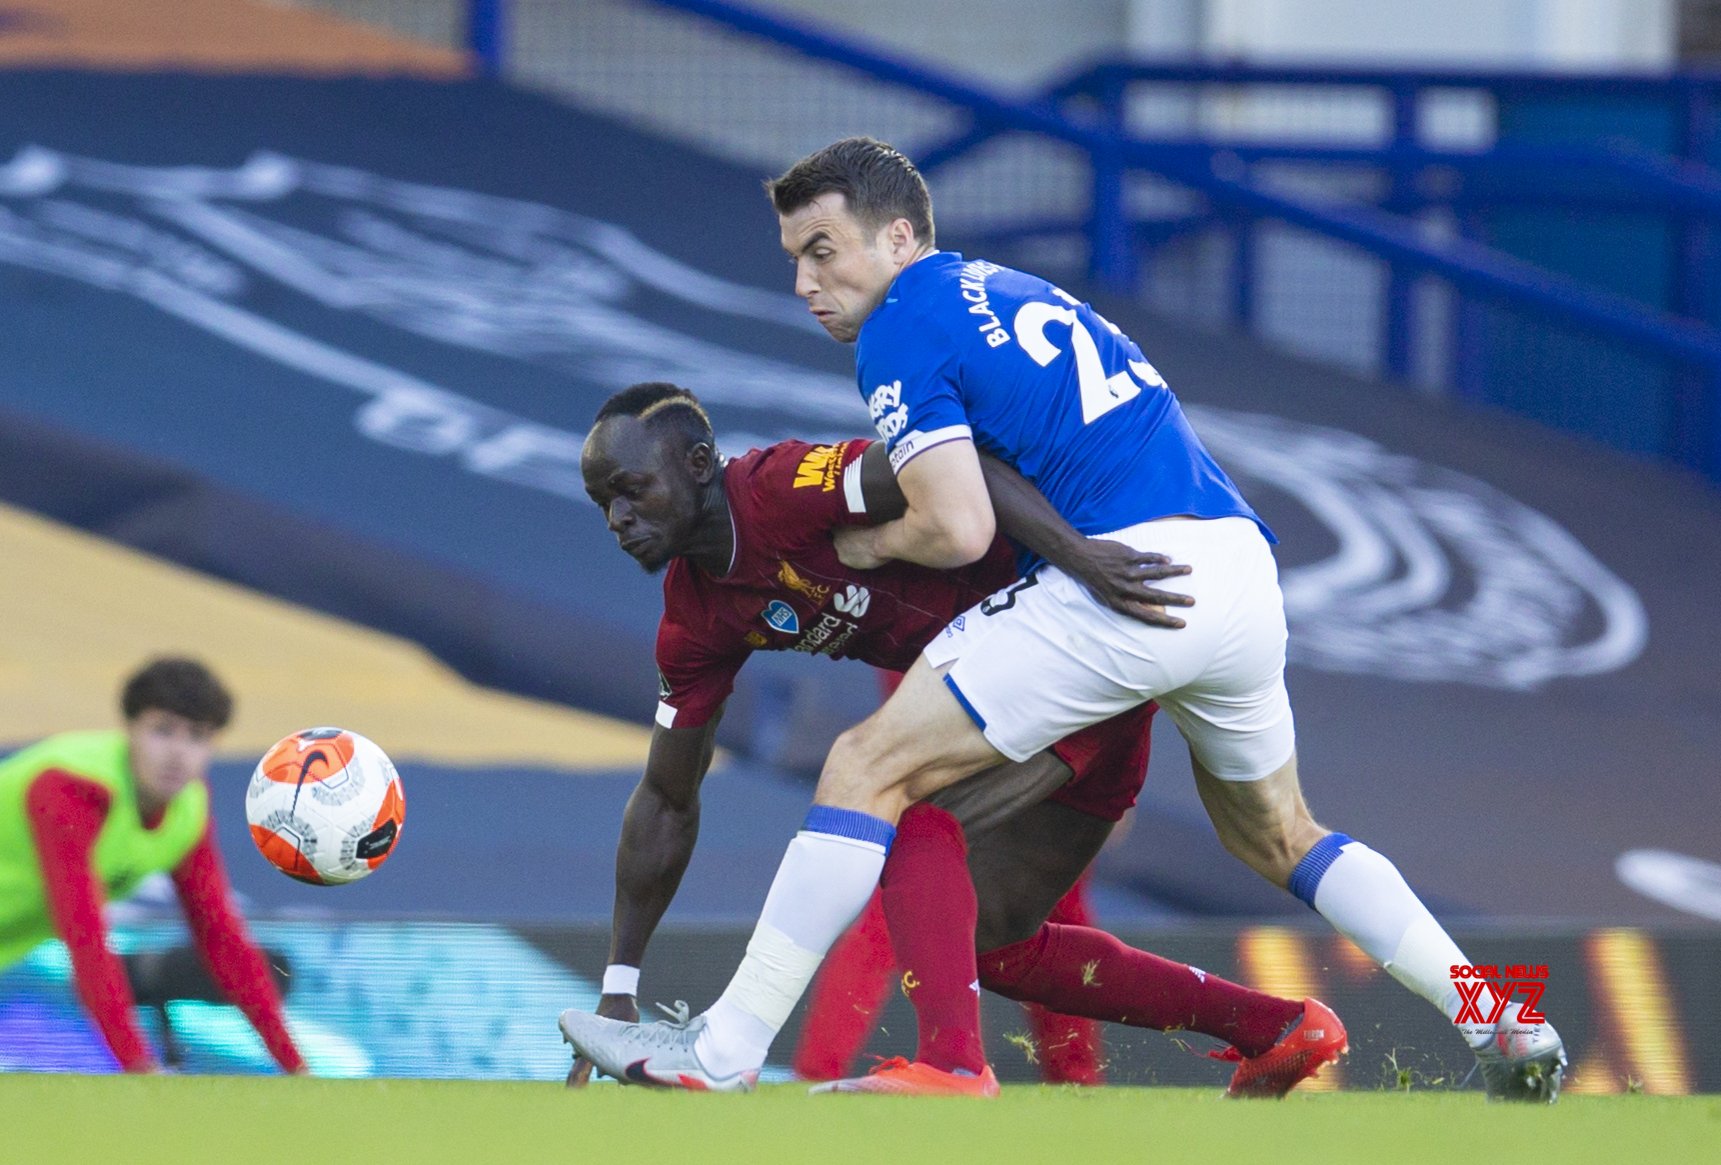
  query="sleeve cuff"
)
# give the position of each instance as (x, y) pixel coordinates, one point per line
(915, 442)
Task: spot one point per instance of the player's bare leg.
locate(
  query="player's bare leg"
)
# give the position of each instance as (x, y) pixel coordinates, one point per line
(990, 797)
(920, 741)
(1267, 825)
(1023, 865)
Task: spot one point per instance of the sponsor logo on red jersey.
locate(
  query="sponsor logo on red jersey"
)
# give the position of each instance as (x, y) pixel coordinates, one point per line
(821, 466)
(781, 616)
(791, 578)
(853, 601)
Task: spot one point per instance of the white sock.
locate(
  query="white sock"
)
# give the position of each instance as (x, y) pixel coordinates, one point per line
(827, 875)
(1368, 901)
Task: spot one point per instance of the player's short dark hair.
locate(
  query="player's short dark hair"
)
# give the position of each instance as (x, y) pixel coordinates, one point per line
(661, 403)
(879, 182)
(182, 686)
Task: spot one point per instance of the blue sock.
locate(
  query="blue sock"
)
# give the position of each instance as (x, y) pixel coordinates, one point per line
(1368, 901)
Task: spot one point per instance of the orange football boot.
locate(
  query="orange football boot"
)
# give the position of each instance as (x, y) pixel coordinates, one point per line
(900, 1077)
(1316, 1039)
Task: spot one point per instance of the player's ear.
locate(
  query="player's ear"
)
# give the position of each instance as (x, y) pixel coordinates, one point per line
(900, 234)
(702, 462)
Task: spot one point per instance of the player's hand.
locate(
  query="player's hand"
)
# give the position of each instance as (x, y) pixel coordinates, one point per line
(622, 1007)
(855, 548)
(1120, 576)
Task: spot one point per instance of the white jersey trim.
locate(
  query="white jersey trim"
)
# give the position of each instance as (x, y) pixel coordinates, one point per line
(914, 443)
(852, 487)
(665, 715)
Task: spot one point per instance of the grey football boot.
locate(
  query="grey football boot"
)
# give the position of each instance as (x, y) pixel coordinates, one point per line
(659, 1055)
(1525, 1063)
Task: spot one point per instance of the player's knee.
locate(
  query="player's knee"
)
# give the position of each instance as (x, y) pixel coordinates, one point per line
(853, 779)
(846, 763)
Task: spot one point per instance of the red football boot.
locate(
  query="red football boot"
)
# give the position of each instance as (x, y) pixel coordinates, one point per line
(1317, 1038)
(901, 1077)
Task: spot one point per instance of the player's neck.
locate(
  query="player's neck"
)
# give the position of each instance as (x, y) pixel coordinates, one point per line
(150, 809)
(712, 547)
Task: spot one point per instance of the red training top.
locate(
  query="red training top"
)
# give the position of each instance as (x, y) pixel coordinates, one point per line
(66, 814)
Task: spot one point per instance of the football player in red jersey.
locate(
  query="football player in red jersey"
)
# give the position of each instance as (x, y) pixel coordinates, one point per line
(749, 566)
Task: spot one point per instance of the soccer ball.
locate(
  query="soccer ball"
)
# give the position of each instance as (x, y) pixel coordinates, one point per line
(325, 806)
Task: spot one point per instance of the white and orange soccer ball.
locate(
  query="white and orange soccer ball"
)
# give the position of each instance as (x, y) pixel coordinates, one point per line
(325, 806)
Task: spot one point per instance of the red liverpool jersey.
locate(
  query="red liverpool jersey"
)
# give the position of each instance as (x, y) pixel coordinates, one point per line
(786, 590)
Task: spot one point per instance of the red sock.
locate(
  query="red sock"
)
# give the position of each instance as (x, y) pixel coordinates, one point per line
(1071, 1049)
(846, 998)
(1080, 971)
(929, 903)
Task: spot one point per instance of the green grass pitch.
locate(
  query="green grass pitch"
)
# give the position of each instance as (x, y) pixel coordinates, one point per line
(250, 1121)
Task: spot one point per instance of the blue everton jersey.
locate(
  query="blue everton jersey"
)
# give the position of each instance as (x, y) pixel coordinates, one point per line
(968, 349)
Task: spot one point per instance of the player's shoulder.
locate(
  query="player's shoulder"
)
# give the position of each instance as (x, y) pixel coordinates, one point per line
(762, 466)
(754, 477)
(924, 293)
(195, 797)
(948, 304)
(99, 754)
(694, 629)
(784, 480)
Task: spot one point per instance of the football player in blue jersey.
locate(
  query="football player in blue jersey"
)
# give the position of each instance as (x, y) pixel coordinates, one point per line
(956, 356)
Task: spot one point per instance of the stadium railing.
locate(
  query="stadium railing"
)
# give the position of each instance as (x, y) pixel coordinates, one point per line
(1541, 242)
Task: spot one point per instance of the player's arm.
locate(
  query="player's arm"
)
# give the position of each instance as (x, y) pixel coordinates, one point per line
(1115, 574)
(947, 520)
(233, 961)
(880, 493)
(66, 814)
(658, 831)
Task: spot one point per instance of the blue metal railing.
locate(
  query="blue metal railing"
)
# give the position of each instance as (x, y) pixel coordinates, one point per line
(486, 35)
(1234, 179)
(1629, 177)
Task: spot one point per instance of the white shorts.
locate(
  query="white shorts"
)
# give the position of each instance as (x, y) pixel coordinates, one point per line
(1042, 658)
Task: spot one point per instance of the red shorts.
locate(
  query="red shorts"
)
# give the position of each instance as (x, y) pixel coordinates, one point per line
(1110, 762)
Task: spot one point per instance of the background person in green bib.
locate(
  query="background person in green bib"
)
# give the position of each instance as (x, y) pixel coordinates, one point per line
(87, 816)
